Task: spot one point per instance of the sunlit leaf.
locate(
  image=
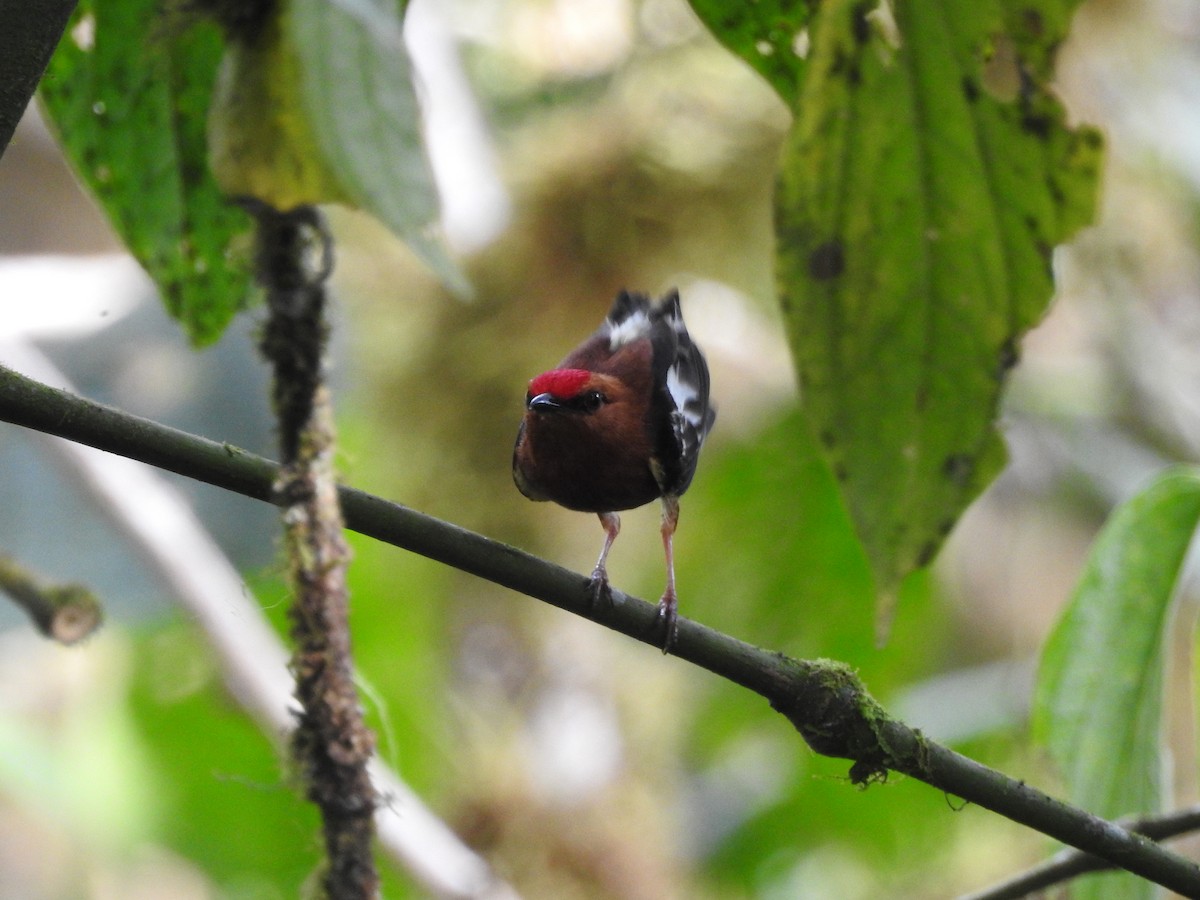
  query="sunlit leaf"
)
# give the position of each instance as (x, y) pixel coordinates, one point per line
(321, 108)
(357, 86)
(261, 136)
(128, 97)
(928, 176)
(1099, 699)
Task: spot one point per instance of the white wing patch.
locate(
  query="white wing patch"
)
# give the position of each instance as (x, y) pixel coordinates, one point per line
(687, 399)
(628, 330)
(681, 392)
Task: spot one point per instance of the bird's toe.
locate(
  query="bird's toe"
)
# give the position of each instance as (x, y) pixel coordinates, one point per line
(668, 622)
(598, 588)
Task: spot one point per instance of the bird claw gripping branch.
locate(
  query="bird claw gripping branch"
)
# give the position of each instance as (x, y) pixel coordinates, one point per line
(599, 590)
(618, 424)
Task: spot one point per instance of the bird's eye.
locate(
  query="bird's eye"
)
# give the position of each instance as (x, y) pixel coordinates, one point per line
(590, 401)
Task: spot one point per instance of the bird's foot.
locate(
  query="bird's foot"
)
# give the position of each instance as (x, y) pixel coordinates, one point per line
(599, 591)
(668, 619)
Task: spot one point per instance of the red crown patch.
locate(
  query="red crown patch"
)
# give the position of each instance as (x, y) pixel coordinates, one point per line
(560, 383)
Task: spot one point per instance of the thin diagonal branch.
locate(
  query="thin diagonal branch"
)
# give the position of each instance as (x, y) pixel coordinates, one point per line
(1071, 864)
(824, 701)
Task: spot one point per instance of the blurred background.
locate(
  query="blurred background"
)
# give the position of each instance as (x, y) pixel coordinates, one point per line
(582, 146)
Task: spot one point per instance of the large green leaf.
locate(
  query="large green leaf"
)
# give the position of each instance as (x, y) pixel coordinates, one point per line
(128, 98)
(927, 178)
(1099, 698)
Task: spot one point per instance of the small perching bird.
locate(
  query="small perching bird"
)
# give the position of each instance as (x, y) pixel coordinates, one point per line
(619, 423)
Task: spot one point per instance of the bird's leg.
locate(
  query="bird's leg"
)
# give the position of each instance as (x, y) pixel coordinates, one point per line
(667, 605)
(598, 586)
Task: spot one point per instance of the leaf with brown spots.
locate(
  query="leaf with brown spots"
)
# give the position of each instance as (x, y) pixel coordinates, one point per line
(928, 177)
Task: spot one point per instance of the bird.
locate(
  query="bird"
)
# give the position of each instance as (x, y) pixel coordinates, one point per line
(618, 424)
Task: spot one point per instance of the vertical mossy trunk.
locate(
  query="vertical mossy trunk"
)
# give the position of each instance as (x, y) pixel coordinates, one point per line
(331, 745)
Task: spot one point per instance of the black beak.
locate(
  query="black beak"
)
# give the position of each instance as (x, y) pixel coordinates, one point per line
(544, 403)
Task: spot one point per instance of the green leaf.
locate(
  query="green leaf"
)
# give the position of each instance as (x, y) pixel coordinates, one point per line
(926, 181)
(1099, 697)
(128, 99)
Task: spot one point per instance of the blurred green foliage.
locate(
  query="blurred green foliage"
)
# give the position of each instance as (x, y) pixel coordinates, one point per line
(228, 801)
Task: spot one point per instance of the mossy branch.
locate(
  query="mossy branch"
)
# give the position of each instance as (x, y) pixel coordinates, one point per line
(825, 701)
(331, 744)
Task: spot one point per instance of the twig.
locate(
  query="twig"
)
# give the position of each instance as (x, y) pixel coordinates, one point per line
(823, 700)
(66, 613)
(331, 743)
(251, 657)
(1070, 864)
(29, 32)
